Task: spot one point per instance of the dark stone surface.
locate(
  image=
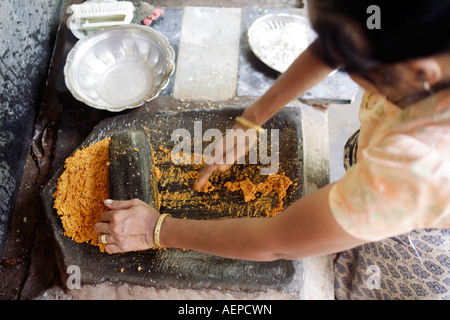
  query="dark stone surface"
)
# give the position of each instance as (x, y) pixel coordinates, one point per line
(175, 268)
(169, 25)
(27, 33)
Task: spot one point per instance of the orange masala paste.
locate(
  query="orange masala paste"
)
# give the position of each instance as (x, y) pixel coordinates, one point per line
(83, 186)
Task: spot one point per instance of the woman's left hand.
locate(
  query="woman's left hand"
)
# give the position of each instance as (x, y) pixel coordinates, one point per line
(128, 226)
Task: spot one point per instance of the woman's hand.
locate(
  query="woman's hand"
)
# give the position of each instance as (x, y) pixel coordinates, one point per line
(128, 226)
(227, 150)
(304, 73)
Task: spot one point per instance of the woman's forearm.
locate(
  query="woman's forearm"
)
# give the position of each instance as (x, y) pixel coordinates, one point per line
(231, 238)
(304, 73)
(306, 228)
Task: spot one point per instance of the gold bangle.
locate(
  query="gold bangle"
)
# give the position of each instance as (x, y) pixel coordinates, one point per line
(158, 229)
(249, 124)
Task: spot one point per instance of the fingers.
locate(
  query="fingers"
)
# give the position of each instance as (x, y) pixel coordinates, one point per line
(127, 226)
(233, 146)
(206, 172)
(121, 204)
(116, 244)
(203, 177)
(105, 238)
(115, 205)
(113, 248)
(102, 227)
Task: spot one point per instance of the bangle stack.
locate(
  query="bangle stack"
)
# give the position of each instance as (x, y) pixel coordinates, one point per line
(249, 124)
(158, 229)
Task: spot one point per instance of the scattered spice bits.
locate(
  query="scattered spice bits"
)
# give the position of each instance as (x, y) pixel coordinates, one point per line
(14, 261)
(84, 185)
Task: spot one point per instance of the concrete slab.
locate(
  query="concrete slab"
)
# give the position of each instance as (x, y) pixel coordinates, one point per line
(169, 24)
(208, 42)
(208, 55)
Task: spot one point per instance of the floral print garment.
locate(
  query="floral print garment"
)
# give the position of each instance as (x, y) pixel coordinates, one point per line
(401, 179)
(413, 265)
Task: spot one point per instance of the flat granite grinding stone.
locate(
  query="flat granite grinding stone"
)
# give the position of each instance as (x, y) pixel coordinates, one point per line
(177, 268)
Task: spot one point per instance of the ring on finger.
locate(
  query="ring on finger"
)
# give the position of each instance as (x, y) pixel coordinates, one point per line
(103, 238)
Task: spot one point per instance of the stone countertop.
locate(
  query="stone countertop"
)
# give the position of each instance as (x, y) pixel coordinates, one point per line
(214, 60)
(63, 123)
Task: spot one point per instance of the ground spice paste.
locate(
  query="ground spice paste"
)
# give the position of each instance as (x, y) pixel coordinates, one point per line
(83, 186)
(80, 192)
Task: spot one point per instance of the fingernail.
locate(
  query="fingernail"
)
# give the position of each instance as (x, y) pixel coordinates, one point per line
(107, 201)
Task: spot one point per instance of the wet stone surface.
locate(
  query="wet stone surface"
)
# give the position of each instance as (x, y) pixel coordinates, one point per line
(26, 44)
(175, 268)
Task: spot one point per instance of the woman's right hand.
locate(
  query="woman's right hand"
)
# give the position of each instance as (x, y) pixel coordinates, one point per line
(227, 150)
(304, 73)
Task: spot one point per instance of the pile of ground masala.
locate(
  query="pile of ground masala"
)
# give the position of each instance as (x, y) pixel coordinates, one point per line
(80, 192)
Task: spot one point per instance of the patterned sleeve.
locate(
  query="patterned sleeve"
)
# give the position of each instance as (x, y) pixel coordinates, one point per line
(398, 184)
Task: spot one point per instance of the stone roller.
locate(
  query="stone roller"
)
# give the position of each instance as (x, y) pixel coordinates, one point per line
(132, 169)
